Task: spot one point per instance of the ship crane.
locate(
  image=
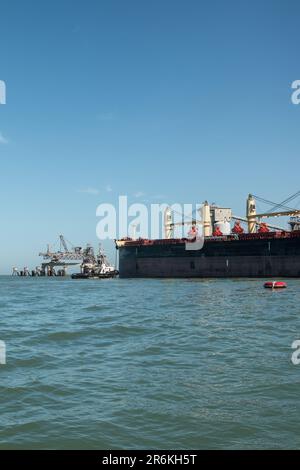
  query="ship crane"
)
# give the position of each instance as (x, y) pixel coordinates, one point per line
(253, 218)
(186, 222)
(213, 216)
(169, 225)
(292, 213)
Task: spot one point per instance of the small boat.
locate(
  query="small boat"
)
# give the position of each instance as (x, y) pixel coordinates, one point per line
(275, 285)
(96, 267)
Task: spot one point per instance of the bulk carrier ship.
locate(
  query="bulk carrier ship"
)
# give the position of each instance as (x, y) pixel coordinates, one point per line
(227, 250)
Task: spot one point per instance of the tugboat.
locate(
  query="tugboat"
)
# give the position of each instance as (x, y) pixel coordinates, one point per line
(95, 267)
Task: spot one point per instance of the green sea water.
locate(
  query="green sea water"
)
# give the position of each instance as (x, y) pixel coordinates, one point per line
(139, 364)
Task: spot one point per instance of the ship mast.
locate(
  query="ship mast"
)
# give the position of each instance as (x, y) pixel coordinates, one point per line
(251, 214)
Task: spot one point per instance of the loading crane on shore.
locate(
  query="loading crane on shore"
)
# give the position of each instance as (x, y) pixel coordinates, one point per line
(73, 253)
(62, 258)
(63, 243)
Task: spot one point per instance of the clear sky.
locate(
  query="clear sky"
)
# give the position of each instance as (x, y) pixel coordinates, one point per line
(171, 100)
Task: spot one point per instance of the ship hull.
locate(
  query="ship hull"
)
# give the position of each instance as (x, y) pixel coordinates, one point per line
(261, 257)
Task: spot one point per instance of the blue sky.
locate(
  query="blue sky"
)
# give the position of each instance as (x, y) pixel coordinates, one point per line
(188, 100)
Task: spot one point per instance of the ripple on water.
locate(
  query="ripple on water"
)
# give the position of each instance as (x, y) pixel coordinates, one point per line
(148, 364)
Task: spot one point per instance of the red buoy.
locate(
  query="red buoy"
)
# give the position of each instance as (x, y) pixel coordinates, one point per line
(275, 285)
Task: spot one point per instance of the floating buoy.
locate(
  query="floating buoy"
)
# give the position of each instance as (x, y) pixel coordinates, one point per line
(275, 285)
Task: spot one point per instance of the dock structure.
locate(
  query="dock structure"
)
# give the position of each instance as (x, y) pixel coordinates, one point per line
(50, 268)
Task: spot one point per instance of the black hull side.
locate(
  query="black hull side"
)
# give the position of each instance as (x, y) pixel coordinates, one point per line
(255, 258)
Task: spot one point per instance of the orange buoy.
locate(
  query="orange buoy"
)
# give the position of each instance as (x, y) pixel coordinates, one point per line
(275, 285)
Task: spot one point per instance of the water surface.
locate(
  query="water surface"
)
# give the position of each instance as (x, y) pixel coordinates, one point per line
(155, 364)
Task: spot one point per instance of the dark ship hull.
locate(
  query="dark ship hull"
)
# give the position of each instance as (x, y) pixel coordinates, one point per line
(273, 254)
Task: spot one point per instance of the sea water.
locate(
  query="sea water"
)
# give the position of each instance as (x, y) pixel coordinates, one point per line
(148, 364)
